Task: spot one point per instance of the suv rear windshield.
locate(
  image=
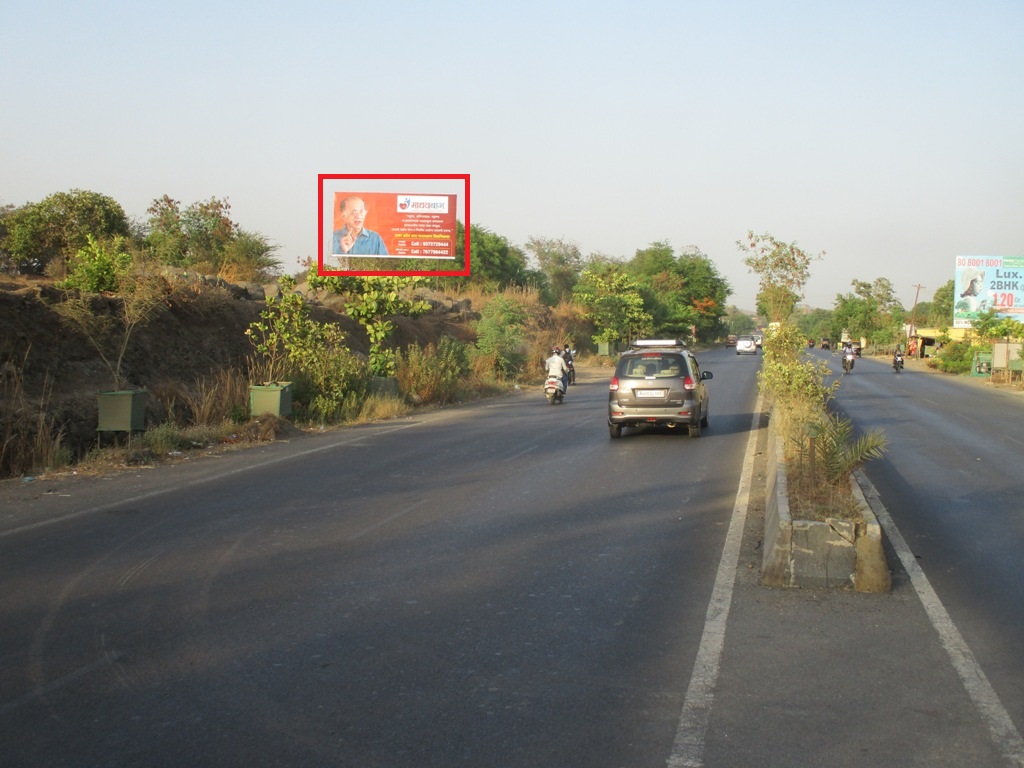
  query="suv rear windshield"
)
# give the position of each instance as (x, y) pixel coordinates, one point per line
(652, 365)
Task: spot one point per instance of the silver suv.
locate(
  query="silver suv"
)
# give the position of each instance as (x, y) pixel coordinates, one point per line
(658, 382)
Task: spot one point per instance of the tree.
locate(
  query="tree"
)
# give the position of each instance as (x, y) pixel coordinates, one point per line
(941, 313)
(493, 261)
(989, 326)
(41, 236)
(872, 311)
(656, 258)
(615, 305)
(203, 237)
(250, 256)
(814, 323)
(197, 236)
(683, 294)
(738, 322)
(783, 269)
(560, 262)
(108, 324)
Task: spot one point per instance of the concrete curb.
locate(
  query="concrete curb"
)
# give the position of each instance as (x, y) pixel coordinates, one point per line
(809, 553)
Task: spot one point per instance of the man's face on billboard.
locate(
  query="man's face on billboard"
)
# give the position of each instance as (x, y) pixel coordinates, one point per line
(354, 214)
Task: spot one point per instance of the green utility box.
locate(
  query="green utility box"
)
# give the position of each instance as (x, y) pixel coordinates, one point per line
(274, 398)
(123, 411)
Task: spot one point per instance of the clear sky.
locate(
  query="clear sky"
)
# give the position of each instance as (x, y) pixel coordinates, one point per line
(889, 134)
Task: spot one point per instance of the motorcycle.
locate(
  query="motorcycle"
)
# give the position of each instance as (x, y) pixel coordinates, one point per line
(848, 358)
(897, 362)
(572, 372)
(554, 389)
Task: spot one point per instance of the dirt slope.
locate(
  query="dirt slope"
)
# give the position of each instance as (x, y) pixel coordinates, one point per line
(44, 360)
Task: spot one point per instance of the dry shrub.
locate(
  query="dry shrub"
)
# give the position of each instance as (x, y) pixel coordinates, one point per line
(380, 407)
(812, 499)
(433, 374)
(30, 439)
(264, 428)
(221, 397)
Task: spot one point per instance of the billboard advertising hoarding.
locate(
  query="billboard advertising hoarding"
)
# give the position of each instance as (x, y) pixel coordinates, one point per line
(987, 282)
(364, 230)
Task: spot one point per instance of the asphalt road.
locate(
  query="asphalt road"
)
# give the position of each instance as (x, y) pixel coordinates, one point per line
(498, 584)
(503, 585)
(953, 479)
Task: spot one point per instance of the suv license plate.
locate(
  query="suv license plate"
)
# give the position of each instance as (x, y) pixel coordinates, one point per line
(650, 393)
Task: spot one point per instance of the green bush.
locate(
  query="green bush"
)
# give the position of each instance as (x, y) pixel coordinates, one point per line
(795, 387)
(788, 376)
(433, 375)
(329, 381)
(954, 357)
(98, 266)
(501, 332)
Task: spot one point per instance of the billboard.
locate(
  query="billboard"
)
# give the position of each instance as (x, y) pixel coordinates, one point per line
(987, 282)
(364, 231)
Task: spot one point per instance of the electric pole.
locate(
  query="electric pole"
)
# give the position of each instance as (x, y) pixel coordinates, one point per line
(913, 312)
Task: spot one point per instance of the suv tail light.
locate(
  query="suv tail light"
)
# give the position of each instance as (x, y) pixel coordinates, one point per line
(688, 384)
(614, 386)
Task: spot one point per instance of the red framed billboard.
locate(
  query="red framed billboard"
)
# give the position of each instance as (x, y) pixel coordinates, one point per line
(366, 227)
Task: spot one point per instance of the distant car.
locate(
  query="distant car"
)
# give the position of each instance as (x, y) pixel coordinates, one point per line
(658, 383)
(758, 339)
(745, 345)
(730, 340)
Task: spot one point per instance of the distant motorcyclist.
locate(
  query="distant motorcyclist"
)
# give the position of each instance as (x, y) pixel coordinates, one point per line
(567, 356)
(556, 366)
(848, 355)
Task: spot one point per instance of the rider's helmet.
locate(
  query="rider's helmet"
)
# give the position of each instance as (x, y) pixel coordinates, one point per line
(555, 350)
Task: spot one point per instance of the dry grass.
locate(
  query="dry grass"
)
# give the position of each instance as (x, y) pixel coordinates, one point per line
(811, 499)
(216, 399)
(479, 297)
(31, 440)
(168, 442)
(380, 407)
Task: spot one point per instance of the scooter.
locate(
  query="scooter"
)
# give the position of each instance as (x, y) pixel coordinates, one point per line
(897, 362)
(554, 389)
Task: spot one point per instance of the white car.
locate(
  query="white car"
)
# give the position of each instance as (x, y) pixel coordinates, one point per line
(745, 345)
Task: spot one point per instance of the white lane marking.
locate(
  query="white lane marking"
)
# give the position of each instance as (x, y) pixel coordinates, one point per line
(523, 452)
(384, 521)
(688, 747)
(202, 481)
(1005, 734)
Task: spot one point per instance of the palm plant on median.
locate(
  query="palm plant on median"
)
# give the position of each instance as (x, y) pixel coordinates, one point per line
(820, 447)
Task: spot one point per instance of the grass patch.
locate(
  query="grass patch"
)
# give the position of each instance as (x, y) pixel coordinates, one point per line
(31, 440)
(380, 407)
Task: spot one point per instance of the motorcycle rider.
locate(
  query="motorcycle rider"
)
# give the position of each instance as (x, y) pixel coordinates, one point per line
(897, 357)
(848, 353)
(567, 356)
(556, 366)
